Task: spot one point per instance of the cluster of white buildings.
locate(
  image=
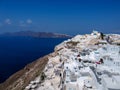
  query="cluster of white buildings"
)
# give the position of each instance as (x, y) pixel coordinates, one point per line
(96, 67)
(85, 67)
(93, 69)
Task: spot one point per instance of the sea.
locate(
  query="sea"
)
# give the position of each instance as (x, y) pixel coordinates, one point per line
(16, 52)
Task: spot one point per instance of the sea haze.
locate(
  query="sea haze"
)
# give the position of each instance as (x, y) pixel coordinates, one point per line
(16, 52)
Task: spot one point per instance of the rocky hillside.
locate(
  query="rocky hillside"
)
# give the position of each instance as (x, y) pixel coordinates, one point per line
(20, 79)
(47, 73)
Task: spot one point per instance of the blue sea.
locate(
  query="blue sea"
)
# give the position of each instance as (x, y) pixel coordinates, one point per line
(16, 52)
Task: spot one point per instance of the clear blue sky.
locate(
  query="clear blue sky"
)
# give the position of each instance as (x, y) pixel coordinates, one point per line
(60, 16)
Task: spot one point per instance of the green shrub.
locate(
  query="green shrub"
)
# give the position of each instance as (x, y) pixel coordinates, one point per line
(43, 76)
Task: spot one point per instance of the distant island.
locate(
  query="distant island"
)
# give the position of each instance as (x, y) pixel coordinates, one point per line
(36, 34)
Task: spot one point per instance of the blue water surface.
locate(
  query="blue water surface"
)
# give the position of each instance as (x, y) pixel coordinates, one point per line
(16, 52)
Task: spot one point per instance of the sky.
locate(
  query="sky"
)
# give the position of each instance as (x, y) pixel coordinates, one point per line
(60, 16)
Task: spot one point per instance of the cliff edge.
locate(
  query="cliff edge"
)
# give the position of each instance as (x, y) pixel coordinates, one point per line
(73, 64)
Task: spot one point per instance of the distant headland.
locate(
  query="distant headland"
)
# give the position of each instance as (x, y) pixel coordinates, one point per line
(36, 34)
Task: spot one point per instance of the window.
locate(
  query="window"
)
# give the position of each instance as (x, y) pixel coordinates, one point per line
(72, 88)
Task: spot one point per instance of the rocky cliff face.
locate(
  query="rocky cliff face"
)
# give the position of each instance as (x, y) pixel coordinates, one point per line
(19, 80)
(46, 73)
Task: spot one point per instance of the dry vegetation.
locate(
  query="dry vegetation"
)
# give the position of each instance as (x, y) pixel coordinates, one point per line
(73, 43)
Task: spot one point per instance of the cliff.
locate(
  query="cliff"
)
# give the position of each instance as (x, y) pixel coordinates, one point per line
(20, 79)
(50, 72)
